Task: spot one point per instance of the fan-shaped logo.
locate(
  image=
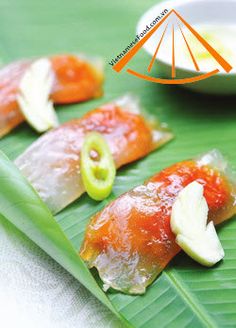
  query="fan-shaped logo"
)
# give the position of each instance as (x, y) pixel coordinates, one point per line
(180, 21)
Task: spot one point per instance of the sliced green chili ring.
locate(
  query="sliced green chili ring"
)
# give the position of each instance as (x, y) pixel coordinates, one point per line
(98, 169)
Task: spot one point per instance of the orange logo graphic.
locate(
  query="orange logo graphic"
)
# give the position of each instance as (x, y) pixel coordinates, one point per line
(119, 66)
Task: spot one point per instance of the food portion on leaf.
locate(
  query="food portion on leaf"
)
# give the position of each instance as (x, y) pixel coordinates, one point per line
(76, 79)
(33, 96)
(130, 242)
(189, 223)
(52, 163)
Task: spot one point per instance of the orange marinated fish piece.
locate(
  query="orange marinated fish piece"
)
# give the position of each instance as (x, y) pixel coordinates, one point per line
(76, 79)
(52, 163)
(130, 242)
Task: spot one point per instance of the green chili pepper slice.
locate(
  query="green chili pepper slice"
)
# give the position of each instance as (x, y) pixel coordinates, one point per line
(98, 169)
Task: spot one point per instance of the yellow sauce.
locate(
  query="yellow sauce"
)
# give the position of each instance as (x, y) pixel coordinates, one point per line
(221, 38)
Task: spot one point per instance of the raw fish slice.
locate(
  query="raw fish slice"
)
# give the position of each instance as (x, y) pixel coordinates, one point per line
(130, 242)
(76, 79)
(52, 163)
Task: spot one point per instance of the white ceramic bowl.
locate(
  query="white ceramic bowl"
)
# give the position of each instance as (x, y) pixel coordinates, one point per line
(215, 12)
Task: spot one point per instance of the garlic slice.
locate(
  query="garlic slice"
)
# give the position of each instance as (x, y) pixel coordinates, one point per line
(33, 97)
(189, 223)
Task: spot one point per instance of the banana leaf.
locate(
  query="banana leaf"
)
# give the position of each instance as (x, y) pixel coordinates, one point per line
(21, 205)
(185, 294)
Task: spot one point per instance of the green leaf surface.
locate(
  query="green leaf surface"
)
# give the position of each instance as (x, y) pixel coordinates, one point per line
(185, 294)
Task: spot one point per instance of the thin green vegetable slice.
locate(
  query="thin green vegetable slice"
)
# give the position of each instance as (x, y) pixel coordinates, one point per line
(97, 166)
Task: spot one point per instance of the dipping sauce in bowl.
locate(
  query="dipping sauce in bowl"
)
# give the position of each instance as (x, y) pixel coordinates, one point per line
(215, 22)
(221, 38)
